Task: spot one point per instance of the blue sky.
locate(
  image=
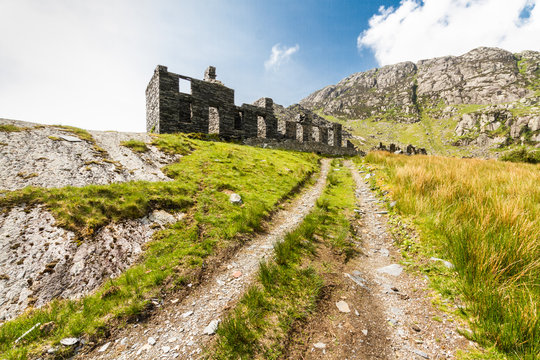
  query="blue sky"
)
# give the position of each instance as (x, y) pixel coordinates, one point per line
(87, 63)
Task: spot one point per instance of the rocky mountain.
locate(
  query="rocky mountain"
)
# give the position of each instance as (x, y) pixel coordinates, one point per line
(485, 98)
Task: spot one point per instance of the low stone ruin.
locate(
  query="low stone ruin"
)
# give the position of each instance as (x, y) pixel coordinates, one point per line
(207, 106)
(393, 148)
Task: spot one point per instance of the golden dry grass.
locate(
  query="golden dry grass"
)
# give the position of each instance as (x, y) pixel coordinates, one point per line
(485, 216)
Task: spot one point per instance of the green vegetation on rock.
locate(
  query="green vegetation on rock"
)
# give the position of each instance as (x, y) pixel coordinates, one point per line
(135, 145)
(201, 186)
(10, 128)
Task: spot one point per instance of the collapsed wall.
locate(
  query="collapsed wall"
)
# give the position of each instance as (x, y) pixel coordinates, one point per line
(178, 103)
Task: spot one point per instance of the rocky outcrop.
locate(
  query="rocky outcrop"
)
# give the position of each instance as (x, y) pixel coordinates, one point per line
(388, 89)
(50, 156)
(481, 76)
(40, 261)
(499, 125)
(408, 150)
(503, 86)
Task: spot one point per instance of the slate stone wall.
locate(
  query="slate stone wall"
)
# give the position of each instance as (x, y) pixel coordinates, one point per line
(209, 108)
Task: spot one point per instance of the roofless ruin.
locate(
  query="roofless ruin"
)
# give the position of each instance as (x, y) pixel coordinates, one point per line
(179, 103)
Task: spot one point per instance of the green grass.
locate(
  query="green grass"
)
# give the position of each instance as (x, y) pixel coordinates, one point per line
(10, 128)
(201, 181)
(174, 144)
(135, 145)
(86, 136)
(432, 132)
(80, 133)
(483, 216)
(288, 287)
(522, 154)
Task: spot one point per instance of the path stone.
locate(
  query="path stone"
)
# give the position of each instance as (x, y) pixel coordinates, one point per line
(355, 276)
(393, 270)
(211, 328)
(421, 353)
(104, 347)
(70, 341)
(343, 307)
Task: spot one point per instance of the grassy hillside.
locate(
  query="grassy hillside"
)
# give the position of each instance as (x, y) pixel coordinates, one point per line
(203, 180)
(483, 216)
(429, 133)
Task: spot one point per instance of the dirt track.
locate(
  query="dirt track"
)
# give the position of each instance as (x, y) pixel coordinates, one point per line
(391, 312)
(177, 329)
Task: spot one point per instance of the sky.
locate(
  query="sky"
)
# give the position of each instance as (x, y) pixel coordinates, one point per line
(87, 63)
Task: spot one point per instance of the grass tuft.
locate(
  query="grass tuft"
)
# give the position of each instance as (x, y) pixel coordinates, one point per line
(10, 128)
(135, 145)
(522, 154)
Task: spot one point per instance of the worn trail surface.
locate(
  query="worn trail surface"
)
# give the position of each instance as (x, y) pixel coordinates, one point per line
(417, 329)
(386, 313)
(180, 329)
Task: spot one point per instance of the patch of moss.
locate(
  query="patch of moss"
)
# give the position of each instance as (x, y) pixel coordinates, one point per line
(135, 145)
(10, 128)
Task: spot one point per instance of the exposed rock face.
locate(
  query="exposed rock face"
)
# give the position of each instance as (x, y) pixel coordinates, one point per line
(40, 156)
(40, 261)
(368, 93)
(441, 88)
(481, 76)
(499, 125)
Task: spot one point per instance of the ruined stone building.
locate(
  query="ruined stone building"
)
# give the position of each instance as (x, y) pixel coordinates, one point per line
(179, 103)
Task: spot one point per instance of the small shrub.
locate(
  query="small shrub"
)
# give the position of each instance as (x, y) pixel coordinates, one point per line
(522, 154)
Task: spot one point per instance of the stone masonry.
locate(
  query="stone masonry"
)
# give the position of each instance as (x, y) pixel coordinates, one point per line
(208, 107)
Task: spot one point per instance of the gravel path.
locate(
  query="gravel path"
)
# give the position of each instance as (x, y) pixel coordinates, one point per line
(180, 329)
(417, 330)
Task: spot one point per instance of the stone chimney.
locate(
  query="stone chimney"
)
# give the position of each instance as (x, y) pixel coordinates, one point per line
(210, 74)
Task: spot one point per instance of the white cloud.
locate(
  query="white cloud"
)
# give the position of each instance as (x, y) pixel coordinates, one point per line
(419, 30)
(87, 63)
(280, 55)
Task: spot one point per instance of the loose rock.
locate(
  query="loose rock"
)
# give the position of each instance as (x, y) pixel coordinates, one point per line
(104, 347)
(393, 270)
(343, 307)
(69, 341)
(448, 264)
(211, 328)
(235, 199)
(421, 353)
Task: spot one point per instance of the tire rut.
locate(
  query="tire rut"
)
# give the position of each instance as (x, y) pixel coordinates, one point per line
(417, 330)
